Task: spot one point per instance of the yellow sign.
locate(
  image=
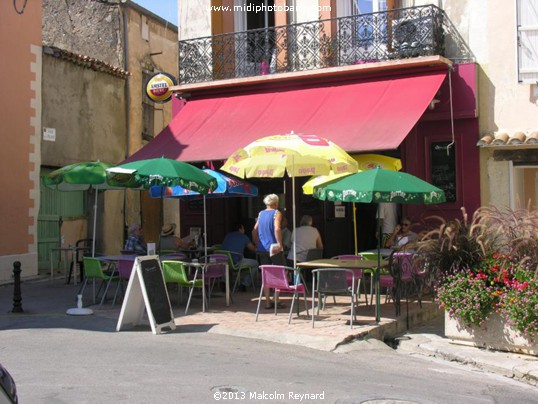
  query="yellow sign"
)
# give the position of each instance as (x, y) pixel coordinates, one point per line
(159, 86)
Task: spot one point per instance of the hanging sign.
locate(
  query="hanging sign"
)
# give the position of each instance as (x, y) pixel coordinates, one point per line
(159, 86)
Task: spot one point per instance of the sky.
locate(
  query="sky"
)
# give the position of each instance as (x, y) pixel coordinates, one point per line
(166, 9)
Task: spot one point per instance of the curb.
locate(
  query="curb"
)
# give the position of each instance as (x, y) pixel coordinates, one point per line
(519, 367)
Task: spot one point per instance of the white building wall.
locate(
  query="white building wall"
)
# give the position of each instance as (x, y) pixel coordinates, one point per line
(194, 18)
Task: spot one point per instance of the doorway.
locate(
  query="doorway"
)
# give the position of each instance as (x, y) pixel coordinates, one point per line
(255, 47)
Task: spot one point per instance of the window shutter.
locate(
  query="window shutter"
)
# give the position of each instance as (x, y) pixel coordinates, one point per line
(527, 35)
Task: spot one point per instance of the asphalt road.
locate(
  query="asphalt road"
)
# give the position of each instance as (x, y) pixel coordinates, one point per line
(62, 359)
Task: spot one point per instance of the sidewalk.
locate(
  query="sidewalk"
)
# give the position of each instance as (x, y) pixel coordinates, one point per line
(45, 303)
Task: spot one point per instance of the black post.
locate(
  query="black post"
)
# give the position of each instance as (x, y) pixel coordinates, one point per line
(17, 298)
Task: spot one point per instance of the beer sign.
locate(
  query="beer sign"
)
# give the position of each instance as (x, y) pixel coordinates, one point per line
(159, 86)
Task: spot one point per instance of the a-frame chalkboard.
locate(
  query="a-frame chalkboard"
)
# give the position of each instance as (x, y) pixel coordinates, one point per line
(147, 289)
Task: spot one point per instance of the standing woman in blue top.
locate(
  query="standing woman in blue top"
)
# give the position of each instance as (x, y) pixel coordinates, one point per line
(266, 232)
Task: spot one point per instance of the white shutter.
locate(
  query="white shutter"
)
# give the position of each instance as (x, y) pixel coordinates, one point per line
(527, 33)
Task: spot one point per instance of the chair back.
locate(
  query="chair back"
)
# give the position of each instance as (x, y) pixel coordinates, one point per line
(314, 254)
(356, 271)
(274, 276)
(371, 256)
(174, 272)
(403, 263)
(216, 269)
(334, 280)
(125, 267)
(93, 268)
(86, 244)
(229, 255)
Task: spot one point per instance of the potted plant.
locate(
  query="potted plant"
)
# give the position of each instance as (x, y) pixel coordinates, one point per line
(486, 277)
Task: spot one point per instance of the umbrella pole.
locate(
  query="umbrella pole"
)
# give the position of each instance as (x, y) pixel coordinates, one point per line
(377, 272)
(294, 235)
(205, 230)
(355, 227)
(94, 222)
(162, 219)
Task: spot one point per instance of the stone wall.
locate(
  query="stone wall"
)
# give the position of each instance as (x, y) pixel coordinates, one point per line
(86, 27)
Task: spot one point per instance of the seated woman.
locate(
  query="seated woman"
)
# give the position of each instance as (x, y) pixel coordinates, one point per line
(402, 235)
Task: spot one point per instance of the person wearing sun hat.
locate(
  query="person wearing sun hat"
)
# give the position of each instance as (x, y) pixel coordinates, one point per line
(169, 241)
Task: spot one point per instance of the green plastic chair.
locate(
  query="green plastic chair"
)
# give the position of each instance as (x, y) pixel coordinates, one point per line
(383, 273)
(174, 272)
(94, 271)
(237, 268)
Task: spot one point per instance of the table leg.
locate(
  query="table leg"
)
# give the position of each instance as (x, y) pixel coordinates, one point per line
(203, 288)
(66, 257)
(74, 261)
(227, 285)
(51, 268)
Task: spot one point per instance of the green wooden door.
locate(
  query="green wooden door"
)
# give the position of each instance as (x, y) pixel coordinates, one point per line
(54, 206)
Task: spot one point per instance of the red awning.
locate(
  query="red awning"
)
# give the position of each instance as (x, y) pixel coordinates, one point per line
(371, 115)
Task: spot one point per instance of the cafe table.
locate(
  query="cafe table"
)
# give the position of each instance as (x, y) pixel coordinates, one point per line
(343, 263)
(338, 263)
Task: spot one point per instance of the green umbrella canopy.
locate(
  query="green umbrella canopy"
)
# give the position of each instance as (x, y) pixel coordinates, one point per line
(83, 176)
(380, 185)
(165, 172)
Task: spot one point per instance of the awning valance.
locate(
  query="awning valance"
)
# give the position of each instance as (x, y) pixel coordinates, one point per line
(371, 115)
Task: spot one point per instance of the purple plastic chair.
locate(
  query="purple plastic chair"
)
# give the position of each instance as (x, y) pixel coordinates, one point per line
(125, 267)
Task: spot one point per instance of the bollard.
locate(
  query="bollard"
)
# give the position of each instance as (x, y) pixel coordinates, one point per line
(17, 298)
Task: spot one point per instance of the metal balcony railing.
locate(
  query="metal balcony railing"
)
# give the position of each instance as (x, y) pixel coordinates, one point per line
(382, 36)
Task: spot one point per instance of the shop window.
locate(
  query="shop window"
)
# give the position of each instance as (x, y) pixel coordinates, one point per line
(443, 168)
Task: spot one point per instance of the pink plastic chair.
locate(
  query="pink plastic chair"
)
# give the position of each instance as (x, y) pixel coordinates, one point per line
(125, 267)
(276, 277)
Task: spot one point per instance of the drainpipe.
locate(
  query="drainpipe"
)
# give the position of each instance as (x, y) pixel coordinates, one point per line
(127, 107)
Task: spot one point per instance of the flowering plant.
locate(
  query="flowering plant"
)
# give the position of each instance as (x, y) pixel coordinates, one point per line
(467, 297)
(497, 283)
(474, 279)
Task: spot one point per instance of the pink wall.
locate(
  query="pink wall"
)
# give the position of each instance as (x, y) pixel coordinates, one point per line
(20, 38)
(435, 126)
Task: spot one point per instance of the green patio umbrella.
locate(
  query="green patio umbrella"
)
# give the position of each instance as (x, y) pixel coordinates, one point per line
(380, 185)
(83, 176)
(166, 173)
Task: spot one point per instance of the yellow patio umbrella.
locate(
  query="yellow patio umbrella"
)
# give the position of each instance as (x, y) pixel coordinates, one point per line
(297, 155)
(365, 162)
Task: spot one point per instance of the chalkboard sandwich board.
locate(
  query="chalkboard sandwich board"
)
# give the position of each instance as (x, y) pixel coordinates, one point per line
(147, 289)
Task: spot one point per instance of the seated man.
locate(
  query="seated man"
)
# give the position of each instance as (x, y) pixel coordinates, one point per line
(402, 235)
(135, 242)
(307, 237)
(236, 242)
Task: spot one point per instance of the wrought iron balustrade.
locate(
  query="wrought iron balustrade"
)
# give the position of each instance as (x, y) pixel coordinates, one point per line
(382, 36)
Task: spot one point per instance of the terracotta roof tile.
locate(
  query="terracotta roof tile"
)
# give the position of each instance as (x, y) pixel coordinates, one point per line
(86, 61)
(504, 139)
